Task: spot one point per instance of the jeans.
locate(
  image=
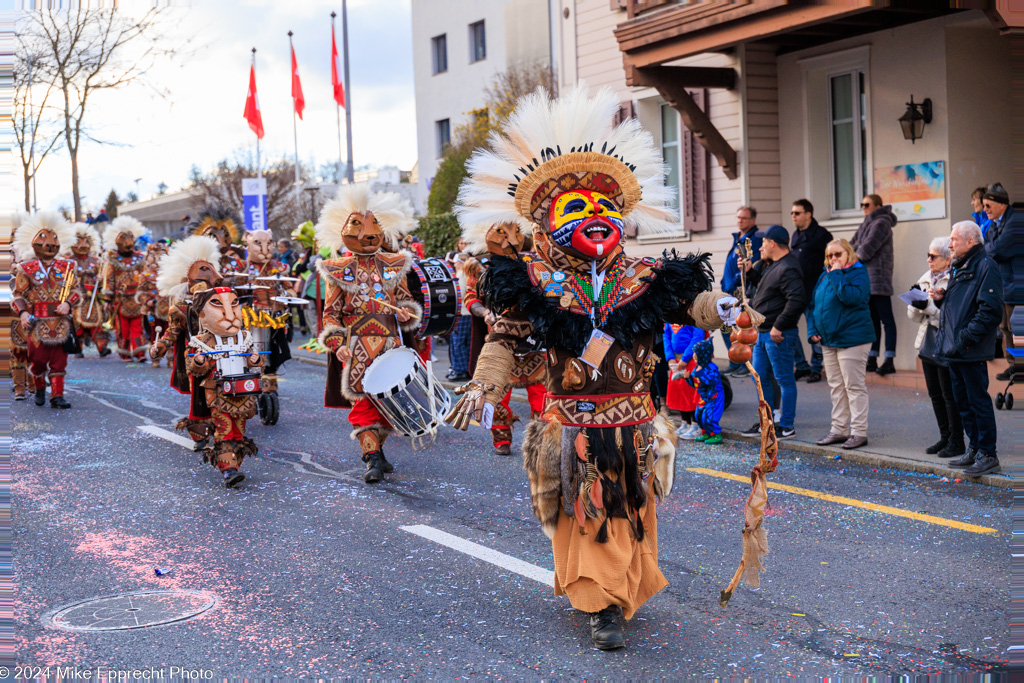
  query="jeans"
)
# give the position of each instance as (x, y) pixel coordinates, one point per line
(881, 317)
(970, 390)
(940, 391)
(458, 344)
(778, 359)
(801, 360)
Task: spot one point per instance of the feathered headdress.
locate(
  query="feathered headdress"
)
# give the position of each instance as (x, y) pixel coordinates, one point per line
(475, 234)
(123, 224)
(214, 216)
(172, 270)
(86, 230)
(394, 214)
(554, 146)
(30, 227)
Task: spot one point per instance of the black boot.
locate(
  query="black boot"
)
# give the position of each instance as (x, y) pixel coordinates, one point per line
(886, 368)
(605, 630)
(386, 467)
(966, 460)
(105, 352)
(872, 363)
(984, 463)
(41, 396)
(937, 446)
(953, 449)
(232, 478)
(59, 402)
(374, 467)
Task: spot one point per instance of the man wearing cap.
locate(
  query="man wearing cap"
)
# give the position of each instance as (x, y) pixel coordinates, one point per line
(1001, 245)
(781, 298)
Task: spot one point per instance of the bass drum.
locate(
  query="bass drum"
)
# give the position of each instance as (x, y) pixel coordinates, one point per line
(433, 284)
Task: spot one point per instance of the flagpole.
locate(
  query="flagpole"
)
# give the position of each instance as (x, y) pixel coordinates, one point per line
(259, 170)
(337, 109)
(348, 89)
(295, 125)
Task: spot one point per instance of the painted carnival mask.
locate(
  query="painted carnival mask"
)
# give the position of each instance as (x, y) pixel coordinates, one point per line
(153, 254)
(260, 246)
(221, 313)
(505, 238)
(362, 234)
(82, 246)
(202, 271)
(125, 243)
(45, 245)
(585, 223)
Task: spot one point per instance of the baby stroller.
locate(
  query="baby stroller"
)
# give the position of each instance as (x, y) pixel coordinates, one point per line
(1004, 399)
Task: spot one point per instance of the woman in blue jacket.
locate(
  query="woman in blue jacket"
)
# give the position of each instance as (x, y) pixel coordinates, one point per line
(840, 320)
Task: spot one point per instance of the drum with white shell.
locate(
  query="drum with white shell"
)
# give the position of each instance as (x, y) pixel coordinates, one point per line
(404, 390)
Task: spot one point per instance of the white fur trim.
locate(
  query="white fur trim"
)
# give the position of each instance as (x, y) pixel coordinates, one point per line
(394, 214)
(121, 224)
(93, 235)
(328, 331)
(30, 227)
(173, 266)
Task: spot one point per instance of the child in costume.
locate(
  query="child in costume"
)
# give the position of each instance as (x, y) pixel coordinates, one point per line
(711, 401)
(678, 342)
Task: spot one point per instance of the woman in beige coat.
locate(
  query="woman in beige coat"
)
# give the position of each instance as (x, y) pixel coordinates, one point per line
(936, 373)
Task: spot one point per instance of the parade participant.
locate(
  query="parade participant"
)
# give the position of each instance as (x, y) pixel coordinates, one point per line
(560, 165)
(21, 378)
(220, 317)
(189, 267)
(221, 223)
(89, 317)
(366, 307)
(264, 312)
(507, 239)
(711, 395)
(122, 276)
(44, 295)
(157, 307)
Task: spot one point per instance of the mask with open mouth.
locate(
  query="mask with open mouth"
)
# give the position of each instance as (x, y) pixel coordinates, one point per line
(585, 223)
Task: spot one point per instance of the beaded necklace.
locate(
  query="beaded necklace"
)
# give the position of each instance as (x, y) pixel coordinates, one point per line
(608, 299)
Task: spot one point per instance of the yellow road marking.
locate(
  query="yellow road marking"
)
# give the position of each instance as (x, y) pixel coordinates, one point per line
(885, 509)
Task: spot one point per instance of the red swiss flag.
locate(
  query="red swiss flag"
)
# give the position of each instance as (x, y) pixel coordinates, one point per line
(339, 88)
(252, 106)
(300, 101)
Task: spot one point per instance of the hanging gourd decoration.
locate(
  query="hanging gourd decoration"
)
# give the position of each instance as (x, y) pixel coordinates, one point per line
(740, 353)
(743, 321)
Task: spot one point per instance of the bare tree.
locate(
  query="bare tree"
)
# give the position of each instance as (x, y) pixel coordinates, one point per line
(91, 48)
(34, 121)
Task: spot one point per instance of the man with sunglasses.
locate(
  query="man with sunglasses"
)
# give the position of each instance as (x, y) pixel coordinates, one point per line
(808, 245)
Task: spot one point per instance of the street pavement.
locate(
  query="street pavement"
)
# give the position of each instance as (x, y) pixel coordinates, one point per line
(873, 571)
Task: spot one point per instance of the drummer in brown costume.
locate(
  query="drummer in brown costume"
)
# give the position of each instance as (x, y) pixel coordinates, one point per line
(122, 277)
(44, 294)
(89, 317)
(156, 308)
(366, 307)
(591, 456)
(189, 267)
(264, 312)
(511, 240)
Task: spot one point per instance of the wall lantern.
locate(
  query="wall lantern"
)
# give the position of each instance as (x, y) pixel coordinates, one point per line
(913, 120)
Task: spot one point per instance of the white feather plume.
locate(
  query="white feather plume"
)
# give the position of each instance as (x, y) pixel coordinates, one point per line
(394, 214)
(119, 225)
(173, 267)
(30, 227)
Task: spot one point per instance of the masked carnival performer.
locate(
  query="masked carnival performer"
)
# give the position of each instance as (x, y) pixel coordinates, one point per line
(44, 296)
(366, 307)
(265, 317)
(561, 165)
(221, 223)
(21, 378)
(122, 279)
(157, 307)
(189, 267)
(511, 240)
(89, 317)
(232, 401)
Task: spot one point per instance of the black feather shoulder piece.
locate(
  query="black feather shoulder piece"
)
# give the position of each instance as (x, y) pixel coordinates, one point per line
(677, 281)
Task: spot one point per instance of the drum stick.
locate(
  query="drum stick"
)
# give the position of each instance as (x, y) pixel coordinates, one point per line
(385, 304)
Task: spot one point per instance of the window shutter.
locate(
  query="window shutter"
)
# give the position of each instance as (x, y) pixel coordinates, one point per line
(695, 201)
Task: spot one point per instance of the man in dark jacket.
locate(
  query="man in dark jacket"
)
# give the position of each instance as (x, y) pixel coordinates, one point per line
(873, 243)
(746, 221)
(809, 242)
(781, 299)
(971, 307)
(1002, 244)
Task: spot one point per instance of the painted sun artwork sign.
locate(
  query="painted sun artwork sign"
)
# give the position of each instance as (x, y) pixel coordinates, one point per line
(915, 191)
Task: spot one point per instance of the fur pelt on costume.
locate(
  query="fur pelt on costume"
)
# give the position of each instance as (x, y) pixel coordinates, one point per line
(676, 283)
(121, 224)
(30, 227)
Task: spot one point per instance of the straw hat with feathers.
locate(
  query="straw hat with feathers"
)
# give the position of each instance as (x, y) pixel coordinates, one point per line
(394, 214)
(216, 215)
(122, 224)
(30, 227)
(172, 271)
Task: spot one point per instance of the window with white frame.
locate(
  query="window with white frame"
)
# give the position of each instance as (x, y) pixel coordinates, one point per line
(670, 150)
(477, 42)
(848, 139)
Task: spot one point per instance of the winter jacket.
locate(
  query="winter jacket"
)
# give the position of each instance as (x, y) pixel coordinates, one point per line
(1004, 244)
(809, 248)
(731, 274)
(928, 316)
(873, 244)
(839, 310)
(781, 297)
(983, 222)
(971, 310)
(679, 342)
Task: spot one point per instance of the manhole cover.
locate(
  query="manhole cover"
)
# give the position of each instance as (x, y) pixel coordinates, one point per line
(132, 610)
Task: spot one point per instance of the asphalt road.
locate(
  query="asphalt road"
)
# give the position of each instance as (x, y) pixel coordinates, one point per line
(313, 573)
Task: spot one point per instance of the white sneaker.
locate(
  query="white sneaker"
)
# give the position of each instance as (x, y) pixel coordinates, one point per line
(683, 428)
(691, 433)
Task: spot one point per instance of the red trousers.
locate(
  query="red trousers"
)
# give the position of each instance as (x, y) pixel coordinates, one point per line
(364, 414)
(43, 357)
(100, 337)
(131, 340)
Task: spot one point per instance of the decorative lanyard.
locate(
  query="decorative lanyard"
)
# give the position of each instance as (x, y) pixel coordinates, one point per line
(599, 307)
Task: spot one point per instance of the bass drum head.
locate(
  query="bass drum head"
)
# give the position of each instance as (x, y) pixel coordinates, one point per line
(434, 286)
(391, 369)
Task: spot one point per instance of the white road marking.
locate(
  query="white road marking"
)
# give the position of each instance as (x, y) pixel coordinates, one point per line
(166, 435)
(512, 564)
(109, 404)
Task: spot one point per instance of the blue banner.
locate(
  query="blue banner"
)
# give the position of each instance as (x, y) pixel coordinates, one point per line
(254, 203)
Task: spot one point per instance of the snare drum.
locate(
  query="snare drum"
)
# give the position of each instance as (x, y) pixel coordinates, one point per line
(436, 288)
(406, 393)
(241, 385)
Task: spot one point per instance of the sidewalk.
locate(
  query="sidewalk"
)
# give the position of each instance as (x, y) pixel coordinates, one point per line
(901, 422)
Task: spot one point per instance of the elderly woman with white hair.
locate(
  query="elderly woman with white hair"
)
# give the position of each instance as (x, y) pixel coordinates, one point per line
(936, 371)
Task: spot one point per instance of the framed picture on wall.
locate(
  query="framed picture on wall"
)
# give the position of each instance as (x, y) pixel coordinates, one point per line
(916, 191)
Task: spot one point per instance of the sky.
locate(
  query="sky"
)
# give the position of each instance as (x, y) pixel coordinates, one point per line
(200, 121)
